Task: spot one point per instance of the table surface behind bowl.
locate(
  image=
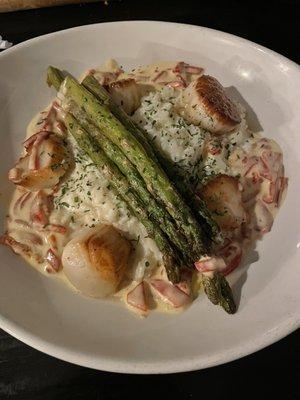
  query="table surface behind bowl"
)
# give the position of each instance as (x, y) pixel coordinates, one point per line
(26, 373)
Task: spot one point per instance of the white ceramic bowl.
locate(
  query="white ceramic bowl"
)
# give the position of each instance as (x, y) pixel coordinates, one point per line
(48, 316)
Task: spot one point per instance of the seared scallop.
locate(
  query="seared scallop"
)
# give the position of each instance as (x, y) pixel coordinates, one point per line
(205, 103)
(44, 163)
(95, 262)
(127, 94)
(223, 197)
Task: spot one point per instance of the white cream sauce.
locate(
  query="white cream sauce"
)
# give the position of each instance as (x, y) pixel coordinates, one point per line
(150, 77)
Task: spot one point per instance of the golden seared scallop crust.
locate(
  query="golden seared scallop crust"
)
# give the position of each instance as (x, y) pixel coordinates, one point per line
(95, 261)
(109, 252)
(214, 99)
(204, 102)
(223, 197)
(127, 94)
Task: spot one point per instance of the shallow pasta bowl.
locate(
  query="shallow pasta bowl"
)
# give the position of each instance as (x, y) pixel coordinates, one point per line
(45, 314)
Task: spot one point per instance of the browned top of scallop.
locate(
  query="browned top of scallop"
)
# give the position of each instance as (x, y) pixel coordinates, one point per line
(122, 83)
(215, 100)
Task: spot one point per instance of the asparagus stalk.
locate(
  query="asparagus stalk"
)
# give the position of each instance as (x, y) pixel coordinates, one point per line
(226, 297)
(198, 206)
(54, 77)
(122, 186)
(219, 292)
(155, 178)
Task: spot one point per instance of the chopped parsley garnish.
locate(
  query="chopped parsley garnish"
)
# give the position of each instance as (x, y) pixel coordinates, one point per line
(64, 190)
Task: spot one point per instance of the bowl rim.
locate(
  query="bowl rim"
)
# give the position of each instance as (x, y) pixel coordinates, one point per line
(287, 326)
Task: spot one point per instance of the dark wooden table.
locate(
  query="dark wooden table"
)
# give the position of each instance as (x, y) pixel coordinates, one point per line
(26, 373)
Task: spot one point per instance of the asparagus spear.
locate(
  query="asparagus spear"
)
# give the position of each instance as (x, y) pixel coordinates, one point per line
(122, 186)
(198, 206)
(155, 178)
(54, 77)
(226, 297)
(219, 292)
